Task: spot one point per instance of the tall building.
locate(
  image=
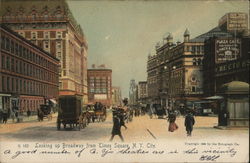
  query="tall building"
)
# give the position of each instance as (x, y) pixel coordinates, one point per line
(28, 75)
(142, 92)
(116, 96)
(100, 85)
(133, 92)
(51, 26)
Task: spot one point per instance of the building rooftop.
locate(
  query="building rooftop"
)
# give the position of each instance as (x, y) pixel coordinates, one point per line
(2, 26)
(215, 32)
(25, 8)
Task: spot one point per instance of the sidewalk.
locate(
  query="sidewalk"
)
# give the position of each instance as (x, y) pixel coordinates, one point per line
(25, 119)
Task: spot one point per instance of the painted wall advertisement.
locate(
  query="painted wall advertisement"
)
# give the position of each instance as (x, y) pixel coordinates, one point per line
(227, 49)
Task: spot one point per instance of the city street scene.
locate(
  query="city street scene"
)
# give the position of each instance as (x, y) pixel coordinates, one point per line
(124, 81)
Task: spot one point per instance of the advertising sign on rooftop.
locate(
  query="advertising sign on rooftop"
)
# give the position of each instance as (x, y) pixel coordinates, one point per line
(227, 49)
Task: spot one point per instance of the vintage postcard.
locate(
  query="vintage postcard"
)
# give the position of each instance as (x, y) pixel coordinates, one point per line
(124, 81)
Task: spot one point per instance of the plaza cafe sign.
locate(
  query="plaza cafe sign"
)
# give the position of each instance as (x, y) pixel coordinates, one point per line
(227, 49)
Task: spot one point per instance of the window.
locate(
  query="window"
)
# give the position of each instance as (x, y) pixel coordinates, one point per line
(24, 52)
(60, 85)
(3, 42)
(8, 63)
(33, 35)
(16, 49)
(3, 83)
(46, 35)
(24, 86)
(20, 51)
(8, 84)
(58, 45)
(59, 35)
(193, 89)
(24, 68)
(12, 84)
(12, 65)
(199, 62)
(21, 85)
(17, 85)
(3, 62)
(46, 45)
(193, 79)
(194, 61)
(21, 33)
(12, 47)
(7, 44)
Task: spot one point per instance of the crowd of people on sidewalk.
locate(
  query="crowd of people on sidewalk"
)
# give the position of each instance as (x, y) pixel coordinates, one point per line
(12, 114)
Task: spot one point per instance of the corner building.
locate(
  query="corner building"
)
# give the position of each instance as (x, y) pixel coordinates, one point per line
(51, 26)
(28, 74)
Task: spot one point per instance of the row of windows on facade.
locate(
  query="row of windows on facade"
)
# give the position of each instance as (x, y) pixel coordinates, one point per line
(22, 86)
(31, 105)
(23, 52)
(24, 68)
(46, 35)
(192, 48)
(33, 16)
(99, 90)
(46, 46)
(99, 78)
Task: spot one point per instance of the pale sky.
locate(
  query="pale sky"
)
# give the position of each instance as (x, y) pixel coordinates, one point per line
(121, 34)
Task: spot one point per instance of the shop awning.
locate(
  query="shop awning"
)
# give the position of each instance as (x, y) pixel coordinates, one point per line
(214, 98)
(1, 94)
(53, 101)
(203, 102)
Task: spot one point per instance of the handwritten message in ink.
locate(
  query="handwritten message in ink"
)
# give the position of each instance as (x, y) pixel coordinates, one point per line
(200, 151)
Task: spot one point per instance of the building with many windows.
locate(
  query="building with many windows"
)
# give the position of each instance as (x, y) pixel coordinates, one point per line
(133, 92)
(116, 96)
(51, 26)
(100, 85)
(142, 92)
(28, 74)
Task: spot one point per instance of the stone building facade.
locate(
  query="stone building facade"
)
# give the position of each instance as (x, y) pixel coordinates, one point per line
(100, 85)
(51, 26)
(28, 74)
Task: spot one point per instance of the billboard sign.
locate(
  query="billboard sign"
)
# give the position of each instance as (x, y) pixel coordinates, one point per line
(227, 49)
(237, 21)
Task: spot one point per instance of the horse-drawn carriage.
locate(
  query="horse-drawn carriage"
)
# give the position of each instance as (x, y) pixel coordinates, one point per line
(44, 112)
(100, 112)
(70, 112)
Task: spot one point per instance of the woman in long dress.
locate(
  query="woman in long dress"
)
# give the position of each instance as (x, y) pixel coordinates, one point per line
(172, 125)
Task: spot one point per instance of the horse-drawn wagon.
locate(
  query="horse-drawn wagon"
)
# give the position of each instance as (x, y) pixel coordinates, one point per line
(70, 112)
(100, 112)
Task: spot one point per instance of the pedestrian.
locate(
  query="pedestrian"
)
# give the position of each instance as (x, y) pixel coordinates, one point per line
(116, 130)
(5, 116)
(172, 125)
(121, 117)
(189, 122)
(1, 115)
